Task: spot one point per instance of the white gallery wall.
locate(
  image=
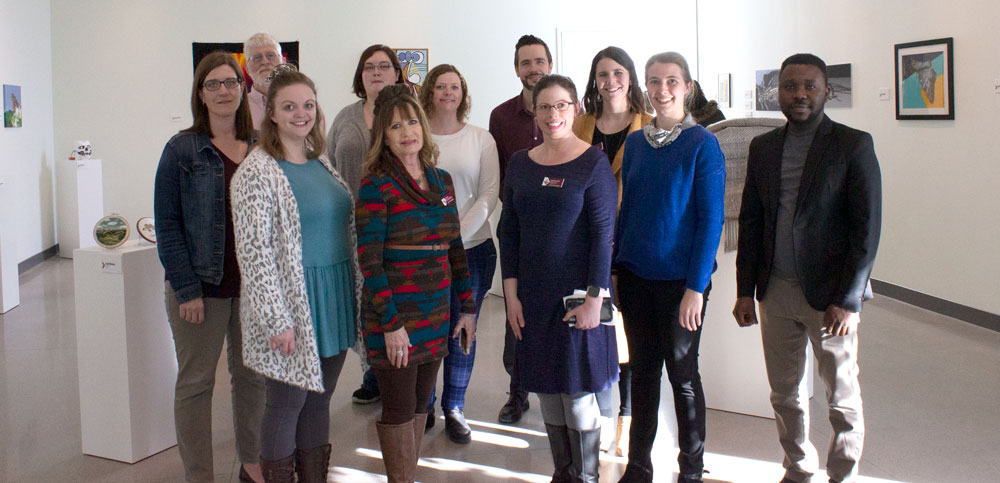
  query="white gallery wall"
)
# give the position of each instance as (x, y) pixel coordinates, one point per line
(26, 153)
(119, 81)
(941, 205)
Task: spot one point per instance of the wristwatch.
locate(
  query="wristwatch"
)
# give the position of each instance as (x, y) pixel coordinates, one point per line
(593, 291)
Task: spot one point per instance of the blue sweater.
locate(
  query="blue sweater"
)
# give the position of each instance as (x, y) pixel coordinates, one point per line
(671, 214)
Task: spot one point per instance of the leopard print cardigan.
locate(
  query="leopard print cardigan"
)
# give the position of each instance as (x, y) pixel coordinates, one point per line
(269, 250)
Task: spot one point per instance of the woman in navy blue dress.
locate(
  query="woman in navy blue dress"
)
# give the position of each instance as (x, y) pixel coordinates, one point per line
(555, 237)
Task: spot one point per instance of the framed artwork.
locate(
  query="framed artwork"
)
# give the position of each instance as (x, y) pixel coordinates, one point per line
(414, 63)
(838, 77)
(146, 228)
(767, 90)
(11, 106)
(925, 80)
(111, 231)
(725, 98)
(289, 55)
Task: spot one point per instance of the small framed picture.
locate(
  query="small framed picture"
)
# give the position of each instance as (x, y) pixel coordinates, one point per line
(725, 97)
(925, 80)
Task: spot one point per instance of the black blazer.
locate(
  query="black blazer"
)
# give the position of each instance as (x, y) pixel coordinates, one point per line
(838, 216)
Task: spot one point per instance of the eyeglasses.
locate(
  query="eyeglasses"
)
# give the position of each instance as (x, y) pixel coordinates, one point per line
(214, 85)
(381, 66)
(560, 106)
(271, 57)
(280, 69)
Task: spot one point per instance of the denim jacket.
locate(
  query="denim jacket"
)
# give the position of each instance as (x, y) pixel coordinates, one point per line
(189, 205)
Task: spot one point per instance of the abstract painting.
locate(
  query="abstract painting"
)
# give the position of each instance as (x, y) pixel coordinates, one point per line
(925, 80)
(414, 63)
(767, 90)
(838, 77)
(11, 106)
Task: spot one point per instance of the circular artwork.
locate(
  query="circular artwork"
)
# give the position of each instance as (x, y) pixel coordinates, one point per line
(146, 228)
(111, 231)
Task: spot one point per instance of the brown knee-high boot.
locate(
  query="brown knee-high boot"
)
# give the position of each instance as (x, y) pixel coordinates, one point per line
(280, 471)
(312, 465)
(397, 442)
(419, 422)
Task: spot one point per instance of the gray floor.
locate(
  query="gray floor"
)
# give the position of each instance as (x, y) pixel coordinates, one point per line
(931, 389)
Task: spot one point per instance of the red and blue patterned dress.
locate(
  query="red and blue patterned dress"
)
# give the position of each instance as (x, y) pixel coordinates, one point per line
(410, 288)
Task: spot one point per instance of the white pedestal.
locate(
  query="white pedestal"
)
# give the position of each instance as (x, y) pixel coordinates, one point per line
(125, 351)
(10, 292)
(731, 358)
(80, 203)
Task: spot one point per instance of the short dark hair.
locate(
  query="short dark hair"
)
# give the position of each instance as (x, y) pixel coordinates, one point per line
(199, 111)
(529, 39)
(590, 96)
(553, 80)
(805, 59)
(427, 92)
(359, 85)
(670, 58)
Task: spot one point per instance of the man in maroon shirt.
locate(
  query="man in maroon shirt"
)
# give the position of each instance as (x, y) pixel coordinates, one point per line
(512, 125)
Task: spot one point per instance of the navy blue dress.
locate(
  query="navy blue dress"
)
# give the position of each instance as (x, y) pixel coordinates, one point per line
(555, 235)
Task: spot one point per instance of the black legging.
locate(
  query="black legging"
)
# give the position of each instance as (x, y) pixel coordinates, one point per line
(405, 391)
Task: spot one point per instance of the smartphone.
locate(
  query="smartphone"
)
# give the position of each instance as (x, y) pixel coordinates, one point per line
(463, 340)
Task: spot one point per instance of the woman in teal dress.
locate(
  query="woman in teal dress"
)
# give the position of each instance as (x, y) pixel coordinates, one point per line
(296, 245)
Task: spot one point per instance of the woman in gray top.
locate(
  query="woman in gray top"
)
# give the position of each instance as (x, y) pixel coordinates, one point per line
(348, 142)
(350, 133)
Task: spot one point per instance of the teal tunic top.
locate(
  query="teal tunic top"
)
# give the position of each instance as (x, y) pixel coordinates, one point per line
(324, 213)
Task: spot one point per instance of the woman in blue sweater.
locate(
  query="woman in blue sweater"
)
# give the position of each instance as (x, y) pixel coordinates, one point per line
(669, 224)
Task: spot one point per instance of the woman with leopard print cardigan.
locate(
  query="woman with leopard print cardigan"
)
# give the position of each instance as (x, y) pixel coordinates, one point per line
(296, 244)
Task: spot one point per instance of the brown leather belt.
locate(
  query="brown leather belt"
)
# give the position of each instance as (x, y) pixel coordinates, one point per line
(393, 246)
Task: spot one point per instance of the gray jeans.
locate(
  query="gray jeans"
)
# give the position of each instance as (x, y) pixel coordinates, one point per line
(198, 347)
(787, 324)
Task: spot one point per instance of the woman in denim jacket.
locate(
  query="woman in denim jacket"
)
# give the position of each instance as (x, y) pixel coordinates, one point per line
(194, 230)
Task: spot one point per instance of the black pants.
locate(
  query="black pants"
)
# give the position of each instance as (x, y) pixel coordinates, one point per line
(655, 337)
(510, 362)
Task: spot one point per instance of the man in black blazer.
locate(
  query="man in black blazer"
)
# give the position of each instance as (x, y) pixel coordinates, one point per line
(809, 229)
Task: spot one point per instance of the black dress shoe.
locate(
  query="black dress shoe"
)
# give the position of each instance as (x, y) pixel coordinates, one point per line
(511, 412)
(458, 430)
(430, 420)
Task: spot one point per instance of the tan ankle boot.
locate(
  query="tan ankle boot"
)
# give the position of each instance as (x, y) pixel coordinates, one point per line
(398, 451)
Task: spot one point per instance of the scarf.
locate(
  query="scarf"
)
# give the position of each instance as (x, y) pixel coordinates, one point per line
(434, 193)
(657, 138)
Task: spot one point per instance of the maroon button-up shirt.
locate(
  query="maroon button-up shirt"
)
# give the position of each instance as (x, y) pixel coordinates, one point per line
(513, 128)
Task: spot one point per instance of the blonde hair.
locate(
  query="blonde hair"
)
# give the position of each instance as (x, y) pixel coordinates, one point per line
(379, 159)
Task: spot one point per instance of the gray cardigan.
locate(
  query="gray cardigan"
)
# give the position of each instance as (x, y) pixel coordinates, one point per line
(347, 144)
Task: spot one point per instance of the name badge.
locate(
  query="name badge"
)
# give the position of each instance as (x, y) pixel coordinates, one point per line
(553, 182)
(447, 200)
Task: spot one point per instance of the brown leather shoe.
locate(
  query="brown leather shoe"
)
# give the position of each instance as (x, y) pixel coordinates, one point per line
(312, 464)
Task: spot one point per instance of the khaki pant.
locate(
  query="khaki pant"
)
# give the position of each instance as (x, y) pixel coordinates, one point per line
(787, 323)
(198, 347)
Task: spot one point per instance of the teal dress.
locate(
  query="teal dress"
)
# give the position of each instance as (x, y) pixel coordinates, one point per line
(325, 215)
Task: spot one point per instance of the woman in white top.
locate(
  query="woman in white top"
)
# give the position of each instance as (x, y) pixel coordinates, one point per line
(469, 154)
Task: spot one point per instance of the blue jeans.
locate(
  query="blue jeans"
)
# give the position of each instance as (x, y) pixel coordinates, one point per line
(457, 364)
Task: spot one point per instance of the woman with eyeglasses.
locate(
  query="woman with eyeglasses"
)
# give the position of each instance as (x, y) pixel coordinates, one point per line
(615, 108)
(348, 142)
(411, 253)
(194, 227)
(669, 224)
(555, 238)
(296, 244)
(469, 155)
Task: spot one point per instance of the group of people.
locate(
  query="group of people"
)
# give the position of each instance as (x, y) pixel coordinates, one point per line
(295, 245)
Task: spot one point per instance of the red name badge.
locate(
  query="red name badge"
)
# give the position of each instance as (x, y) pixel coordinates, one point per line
(553, 182)
(447, 200)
